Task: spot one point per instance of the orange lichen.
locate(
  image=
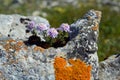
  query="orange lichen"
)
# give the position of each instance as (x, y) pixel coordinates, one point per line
(10, 40)
(59, 62)
(36, 48)
(13, 45)
(95, 27)
(77, 71)
(19, 43)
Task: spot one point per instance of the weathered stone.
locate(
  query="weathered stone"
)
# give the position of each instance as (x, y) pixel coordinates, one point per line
(84, 40)
(110, 68)
(31, 62)
(83, 43)
(11, 26)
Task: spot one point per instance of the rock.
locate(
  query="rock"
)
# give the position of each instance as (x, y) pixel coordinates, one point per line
(21, 62)
(36, 13)
(110, 68)
(18, 1)
(83, 42)
(11, 26)
(113, 4)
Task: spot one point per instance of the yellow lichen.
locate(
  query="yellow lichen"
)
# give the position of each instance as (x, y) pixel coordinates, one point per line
(78, 70)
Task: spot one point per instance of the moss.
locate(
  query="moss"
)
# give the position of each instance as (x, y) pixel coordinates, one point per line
(78, 70)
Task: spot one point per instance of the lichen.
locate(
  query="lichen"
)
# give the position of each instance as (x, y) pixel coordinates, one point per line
(37, 48)
(95, 28)
(77, 70)
(14, 45)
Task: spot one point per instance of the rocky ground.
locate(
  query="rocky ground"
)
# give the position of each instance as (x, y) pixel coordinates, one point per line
(114, 5)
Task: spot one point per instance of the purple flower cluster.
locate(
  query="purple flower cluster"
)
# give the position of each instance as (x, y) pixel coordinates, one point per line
(31, 25)
(42, 27)
(64, 27)
(52, 32)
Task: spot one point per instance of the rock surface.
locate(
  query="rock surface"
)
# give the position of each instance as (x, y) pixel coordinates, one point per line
(110, 68)
(21, 62)
(11, 26)
(83, 42)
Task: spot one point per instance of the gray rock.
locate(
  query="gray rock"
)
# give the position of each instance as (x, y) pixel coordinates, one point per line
(110, 68)
(113, 4)
(11, 26)
(37, 65)
(83, 42)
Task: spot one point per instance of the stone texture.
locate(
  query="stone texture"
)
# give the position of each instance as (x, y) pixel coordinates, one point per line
(84, 40)
(83, 43)
(21, 62)
(11, 26)
(110, 68)
(26, 64)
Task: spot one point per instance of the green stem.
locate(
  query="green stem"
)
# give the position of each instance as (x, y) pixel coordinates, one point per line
(50, 41)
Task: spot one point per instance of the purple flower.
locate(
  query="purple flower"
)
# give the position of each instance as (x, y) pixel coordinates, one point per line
(42, 27)
(52, 32)
(64, 27)
(31, 25)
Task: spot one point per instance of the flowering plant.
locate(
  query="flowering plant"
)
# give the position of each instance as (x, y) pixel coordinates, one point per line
(51, 36)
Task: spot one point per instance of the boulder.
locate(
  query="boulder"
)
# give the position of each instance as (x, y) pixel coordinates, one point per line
(110, 68)
(23, 62)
